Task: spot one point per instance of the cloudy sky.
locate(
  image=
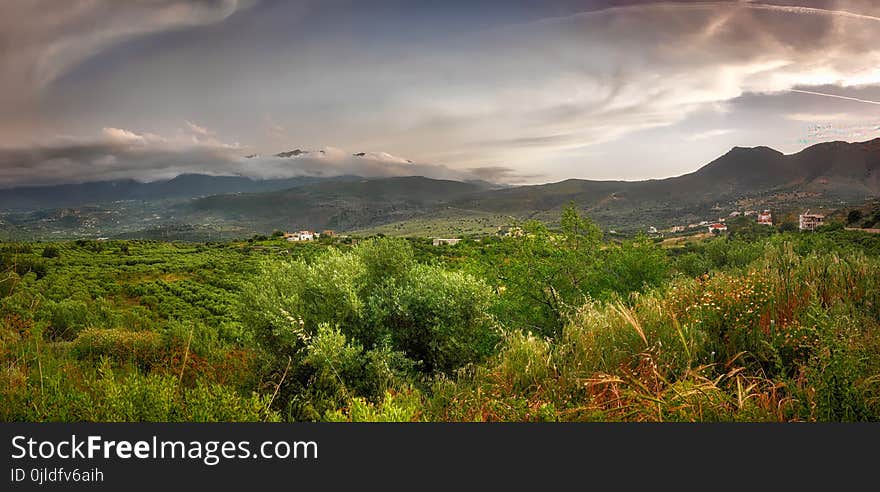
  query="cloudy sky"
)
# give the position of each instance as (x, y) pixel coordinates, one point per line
(516, 92)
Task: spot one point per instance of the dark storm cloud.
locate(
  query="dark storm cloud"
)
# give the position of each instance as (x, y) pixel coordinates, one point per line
(41, 40)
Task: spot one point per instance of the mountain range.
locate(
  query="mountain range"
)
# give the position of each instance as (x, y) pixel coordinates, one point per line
(824, 176)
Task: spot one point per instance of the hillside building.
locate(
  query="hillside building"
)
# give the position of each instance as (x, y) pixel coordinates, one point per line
(717, 227)
(765, 218)
(440, 241)
(809, 222)
(301, 236)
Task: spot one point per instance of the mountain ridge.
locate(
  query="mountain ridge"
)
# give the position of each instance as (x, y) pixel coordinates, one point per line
(827, 174)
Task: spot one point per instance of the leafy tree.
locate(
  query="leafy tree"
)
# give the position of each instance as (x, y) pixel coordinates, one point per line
(630, 267)
(548, 273)
(438, 317)
(853, 216)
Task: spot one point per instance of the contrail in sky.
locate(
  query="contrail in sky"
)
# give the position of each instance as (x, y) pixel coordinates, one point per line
(867, 101)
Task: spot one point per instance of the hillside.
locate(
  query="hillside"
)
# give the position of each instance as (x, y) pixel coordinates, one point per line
(184, 186)
(826, 174)
(335, 205)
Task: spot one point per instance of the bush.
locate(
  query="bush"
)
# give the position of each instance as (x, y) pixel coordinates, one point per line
(51, 252)
(438, 317)
(395, 407)
(631, 267)
(289, 301)
(67, 318)
(143, 349)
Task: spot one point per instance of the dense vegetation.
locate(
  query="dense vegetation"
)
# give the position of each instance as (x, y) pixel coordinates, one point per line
(552, 325)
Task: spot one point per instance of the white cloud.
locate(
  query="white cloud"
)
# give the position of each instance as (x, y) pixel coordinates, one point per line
(819, 117)
(198, 130)
(124, 154)
(537, 91)
(709, 134)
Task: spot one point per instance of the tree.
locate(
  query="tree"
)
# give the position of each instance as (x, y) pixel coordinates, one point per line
(853, 216)
(548, 272)
(630, 267)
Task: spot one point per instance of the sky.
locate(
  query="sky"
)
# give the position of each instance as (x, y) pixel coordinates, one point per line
(506, 91)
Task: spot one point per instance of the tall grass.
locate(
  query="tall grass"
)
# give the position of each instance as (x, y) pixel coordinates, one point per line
(790, 337)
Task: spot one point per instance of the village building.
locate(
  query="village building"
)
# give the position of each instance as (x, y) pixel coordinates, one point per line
(301, 236)
(439, 241)
(678, 228)
(717, 227)
(765, 218)
(510, 231)
(809, 222)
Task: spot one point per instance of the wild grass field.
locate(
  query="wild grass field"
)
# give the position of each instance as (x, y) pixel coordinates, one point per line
(557, 325)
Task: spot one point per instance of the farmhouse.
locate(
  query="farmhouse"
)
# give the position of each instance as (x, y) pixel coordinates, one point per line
(717, 227)
(301, 236)
(438, 241)
(765, 218)
(809, 222)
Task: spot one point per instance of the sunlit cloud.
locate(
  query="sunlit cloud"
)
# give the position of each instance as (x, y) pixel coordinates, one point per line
(536, 98)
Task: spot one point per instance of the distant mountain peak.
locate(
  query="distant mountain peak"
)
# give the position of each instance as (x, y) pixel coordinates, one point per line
(292, 153)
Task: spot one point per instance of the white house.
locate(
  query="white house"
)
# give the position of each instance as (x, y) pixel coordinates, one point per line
(809, 222)
(438, 241)
(717, 227)
(301, 236)
(765, 218)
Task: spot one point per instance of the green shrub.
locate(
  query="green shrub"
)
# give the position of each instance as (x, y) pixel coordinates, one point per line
(395, 407)
(438, 317)
(144, 348)
(51, 252)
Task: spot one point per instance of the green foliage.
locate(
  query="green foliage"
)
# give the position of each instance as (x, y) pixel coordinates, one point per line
(853, 216)
(554, 325)
(385, 259)
(791, 337)
(50, 252)
(288, 301)
(399, 407)
(548, 273)
(143, 348)
(438, 318)
(632, 266)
